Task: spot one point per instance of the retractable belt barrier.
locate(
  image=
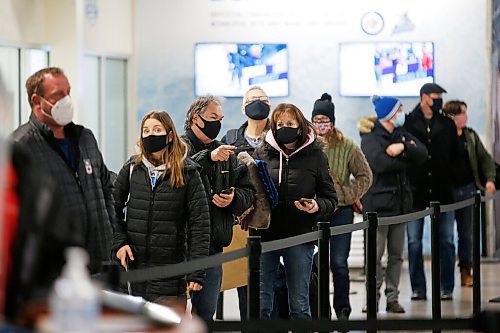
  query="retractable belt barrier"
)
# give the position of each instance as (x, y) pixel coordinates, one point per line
(371, 222)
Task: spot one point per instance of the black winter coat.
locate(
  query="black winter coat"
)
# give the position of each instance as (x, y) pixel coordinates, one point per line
(305, 174)
(87, 192)
(216, 177)
(159, 224)
(433, 180)
(390, 193)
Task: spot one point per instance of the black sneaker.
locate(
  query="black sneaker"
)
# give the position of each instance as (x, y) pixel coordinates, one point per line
(394, 307)
(344, 314)
(418, 296)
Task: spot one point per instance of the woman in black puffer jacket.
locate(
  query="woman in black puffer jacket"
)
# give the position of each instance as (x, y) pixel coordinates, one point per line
(299, 168)
(166, 211)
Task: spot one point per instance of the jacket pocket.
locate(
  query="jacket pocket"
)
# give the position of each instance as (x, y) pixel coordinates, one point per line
(385, 201)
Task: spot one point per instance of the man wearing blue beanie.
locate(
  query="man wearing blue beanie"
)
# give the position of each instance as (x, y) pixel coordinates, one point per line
(433, 182)
(390, 151)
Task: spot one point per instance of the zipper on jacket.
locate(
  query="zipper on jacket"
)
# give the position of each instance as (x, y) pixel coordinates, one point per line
(78, 181)
(286, 187)
(150, 217)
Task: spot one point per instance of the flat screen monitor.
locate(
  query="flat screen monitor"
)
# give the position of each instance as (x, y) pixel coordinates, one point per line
(385, 68)
(229, 69)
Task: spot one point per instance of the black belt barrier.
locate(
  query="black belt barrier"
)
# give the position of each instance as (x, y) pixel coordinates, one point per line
(255, 249)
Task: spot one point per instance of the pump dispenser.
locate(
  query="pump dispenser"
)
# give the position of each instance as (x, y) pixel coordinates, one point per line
(74, 302)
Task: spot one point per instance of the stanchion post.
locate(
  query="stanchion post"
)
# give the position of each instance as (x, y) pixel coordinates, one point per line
(371, 267)
(324, 271)
(219, 311)
(253, 299)
(435, 262)
(476, 260)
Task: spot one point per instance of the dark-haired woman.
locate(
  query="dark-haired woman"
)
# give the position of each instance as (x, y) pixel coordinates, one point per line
(166, 209)
(345, 159)
(299, 168)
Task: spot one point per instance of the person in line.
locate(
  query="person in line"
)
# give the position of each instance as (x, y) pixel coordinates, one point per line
(432, 181)
(227, 186)
(299, 168)
(256, 107)
(390, 151)
(166, 209)
(345, 159)
(472, 161)
(69, 154)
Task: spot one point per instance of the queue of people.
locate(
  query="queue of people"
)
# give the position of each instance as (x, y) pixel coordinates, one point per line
(179, 196)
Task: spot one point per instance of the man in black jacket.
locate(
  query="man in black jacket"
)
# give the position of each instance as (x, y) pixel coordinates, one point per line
(433, 182)
(390, 151)
(227, 186)
(70, 155)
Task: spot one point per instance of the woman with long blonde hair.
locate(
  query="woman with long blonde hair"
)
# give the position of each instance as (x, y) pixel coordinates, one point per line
(162, 205)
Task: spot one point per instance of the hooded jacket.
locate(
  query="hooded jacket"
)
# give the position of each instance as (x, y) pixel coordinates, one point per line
(304, 173)
(481, 162)
(390, 193)
(86, 192)
(217, 176)
(160, 222)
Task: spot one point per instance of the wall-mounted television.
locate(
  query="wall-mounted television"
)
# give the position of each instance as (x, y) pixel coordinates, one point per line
(229, 69)
(385, 68)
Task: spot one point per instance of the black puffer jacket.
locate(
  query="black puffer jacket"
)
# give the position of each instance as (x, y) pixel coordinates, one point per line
(433, 180)
(390, 193)
(216, 177)
(159, 224)
(304, 174)
(87, 192)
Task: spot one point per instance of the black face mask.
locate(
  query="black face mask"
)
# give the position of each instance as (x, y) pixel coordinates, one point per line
(154, 143)
(211, 129)
(437, 103)
(257, 110)
(286, 135)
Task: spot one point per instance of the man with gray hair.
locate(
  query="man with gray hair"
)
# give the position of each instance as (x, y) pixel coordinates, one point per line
(227, 185)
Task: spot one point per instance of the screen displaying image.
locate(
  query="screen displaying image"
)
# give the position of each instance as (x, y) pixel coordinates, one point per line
(386, 69)
(229, 69)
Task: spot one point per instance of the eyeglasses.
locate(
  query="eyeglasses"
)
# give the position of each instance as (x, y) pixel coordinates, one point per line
(257, 98)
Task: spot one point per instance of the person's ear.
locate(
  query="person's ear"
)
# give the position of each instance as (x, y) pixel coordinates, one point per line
(170, 137)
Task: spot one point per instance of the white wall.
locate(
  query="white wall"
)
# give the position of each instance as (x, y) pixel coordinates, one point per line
(166, 32)
(64, 27)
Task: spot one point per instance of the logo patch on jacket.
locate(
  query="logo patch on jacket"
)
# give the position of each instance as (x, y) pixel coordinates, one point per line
(88, 166)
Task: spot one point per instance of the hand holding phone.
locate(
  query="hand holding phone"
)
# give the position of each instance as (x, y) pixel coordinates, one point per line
(227, 190)
(303, 201)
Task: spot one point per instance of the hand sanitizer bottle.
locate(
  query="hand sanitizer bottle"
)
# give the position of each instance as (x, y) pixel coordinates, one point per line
(74, 302)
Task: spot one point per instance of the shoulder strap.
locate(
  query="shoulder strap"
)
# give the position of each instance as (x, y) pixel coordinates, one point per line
(232, 136)
(131, 169)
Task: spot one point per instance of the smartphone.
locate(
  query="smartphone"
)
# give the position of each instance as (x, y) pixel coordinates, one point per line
(304, 200)
(227, 191)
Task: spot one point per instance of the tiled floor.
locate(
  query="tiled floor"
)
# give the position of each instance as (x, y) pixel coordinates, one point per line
(460, 306)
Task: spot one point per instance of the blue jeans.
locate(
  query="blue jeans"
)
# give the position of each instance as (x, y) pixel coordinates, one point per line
(340, 246)
(447, 247)
(205, 301)
(464, 224)
(298, 264)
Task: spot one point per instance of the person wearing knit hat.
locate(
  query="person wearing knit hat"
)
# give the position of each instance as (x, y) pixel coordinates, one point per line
(385, 107)
(390, 150)
(324, 106)
(345, 160)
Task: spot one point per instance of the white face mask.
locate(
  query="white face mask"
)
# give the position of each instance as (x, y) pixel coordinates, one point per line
(62, 111)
